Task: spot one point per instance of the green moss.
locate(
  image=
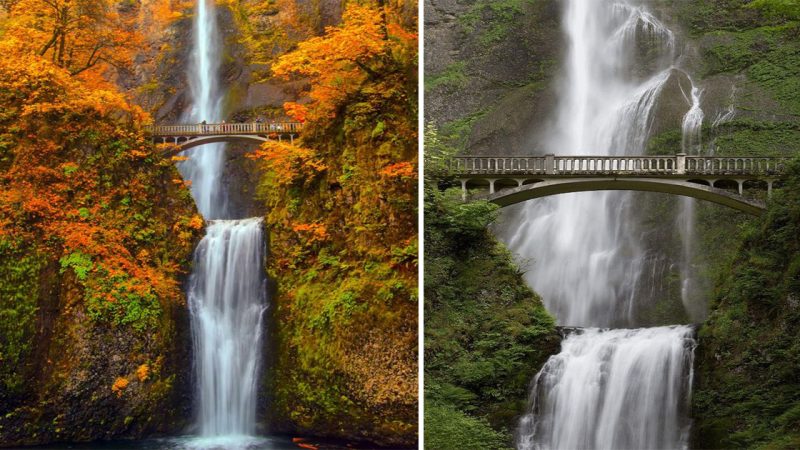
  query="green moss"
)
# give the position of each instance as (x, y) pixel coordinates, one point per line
(665, 143)
(457, 132)
(19, 287)
(786, 9)
(702, 16)
(494, 19)
(453, 77)
(744, 137)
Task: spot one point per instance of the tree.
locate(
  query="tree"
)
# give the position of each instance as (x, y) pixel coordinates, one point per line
(77, 35)
(370, 44)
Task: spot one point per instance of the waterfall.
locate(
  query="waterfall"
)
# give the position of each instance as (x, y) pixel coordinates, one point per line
(226, 297)
(590, 268)
(204, 166)
(613, 389)
(606, 389)
(226, 291)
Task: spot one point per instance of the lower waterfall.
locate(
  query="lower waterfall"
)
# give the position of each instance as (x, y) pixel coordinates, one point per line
(613, 389)
(227, 303)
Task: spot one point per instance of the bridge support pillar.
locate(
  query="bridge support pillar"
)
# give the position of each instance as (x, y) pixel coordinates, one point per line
(680, 163)
(463, 189)
(769, 188)
(291, 139)
(741, 186)
(491, 185)
(519, 181)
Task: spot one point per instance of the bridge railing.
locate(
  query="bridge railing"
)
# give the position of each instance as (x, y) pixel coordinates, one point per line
(720, 165)
(581, 165)
(207, 129)
(622, 165)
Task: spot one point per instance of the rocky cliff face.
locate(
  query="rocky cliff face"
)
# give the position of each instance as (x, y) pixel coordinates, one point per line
(488, 71)
(85, 381)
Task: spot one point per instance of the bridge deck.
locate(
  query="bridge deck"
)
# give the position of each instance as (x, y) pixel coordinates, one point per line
(679, 165)
(225, 129)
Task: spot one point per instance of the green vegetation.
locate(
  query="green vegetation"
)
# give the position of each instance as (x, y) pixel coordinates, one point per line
(486, 333)
(448, 428)
(789, 9)
(457, 132)
(747, 392)
(494, 19)
(451, 78)
(748, 137)
(19, 277)
(768, 55)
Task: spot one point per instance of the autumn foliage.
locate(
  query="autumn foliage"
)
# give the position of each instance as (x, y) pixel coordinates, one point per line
(341, 204)
(79, 182)
(288, 163)
(341, 62)
(95, 39)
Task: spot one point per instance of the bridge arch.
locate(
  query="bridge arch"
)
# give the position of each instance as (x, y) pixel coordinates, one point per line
(188, 136)
(187, 143)
(507, 197)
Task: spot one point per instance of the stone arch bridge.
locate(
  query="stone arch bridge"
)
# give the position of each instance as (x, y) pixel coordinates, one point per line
(721, 180)
(189, 136)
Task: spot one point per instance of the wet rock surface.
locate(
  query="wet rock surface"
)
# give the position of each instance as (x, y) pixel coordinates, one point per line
(488, 72)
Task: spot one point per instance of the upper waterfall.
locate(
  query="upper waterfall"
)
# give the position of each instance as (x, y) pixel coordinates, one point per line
(592, 267)
(204, 166)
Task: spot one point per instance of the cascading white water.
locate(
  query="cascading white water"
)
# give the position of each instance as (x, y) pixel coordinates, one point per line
(204, 166)
(613, 389)
(607, 389)
(589, 268)
(226, 297)
(226, 291)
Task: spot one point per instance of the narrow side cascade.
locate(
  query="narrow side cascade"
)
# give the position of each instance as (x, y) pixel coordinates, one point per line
(617, 388)
(691, 144)
(226, 297)
(613, 389)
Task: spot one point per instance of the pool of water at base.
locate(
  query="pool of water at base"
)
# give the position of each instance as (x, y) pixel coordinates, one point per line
(214, 443)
